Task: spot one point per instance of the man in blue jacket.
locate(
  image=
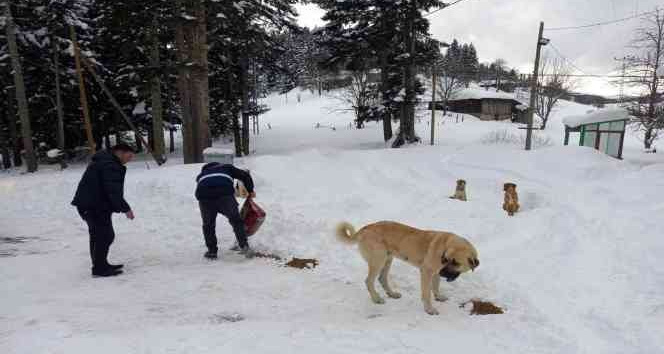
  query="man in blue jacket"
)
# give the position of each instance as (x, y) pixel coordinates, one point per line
(216, 195)
(100, 193)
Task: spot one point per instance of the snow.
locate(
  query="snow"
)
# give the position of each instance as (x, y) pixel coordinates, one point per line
(476, 93)
(578, 269)
(139, 109)
(599, 116)
(54, 153)
(218, 151)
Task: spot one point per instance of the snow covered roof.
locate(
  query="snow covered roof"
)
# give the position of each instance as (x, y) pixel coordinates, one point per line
(478, 94)
(598, 116)
(218, 151)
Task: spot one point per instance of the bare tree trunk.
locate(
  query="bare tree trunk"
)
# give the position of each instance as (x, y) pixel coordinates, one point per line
(648, 138)
(4, 147)
(13, 130)
(407, 123)
(202, 48)
(245, 103)
(158, 145)
(183, 38)
(58, 97)
(386, 112)
(139, 141)
(30, 157)
(234, 114)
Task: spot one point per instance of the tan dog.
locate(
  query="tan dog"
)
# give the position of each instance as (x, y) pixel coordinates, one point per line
(437, 254)
(511, 203)
(460, 191)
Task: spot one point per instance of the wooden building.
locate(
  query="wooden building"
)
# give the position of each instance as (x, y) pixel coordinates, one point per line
(486, 105)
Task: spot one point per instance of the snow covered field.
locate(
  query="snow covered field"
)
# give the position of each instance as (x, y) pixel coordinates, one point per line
(578, 270)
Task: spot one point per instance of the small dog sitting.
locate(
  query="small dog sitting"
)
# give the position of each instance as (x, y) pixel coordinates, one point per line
(511, 204)
(460, 191)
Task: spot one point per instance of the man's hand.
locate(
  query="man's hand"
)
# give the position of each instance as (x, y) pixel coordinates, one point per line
(252, 195)
(130, 215)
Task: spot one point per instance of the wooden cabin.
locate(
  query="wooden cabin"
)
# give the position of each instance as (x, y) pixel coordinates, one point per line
(486, 105)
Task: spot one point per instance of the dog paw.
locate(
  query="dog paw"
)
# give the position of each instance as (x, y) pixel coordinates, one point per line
(378, 300)
(432, 311)
(394, 295)
(441, 298)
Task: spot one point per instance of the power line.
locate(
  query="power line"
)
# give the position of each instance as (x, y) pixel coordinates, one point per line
(584, 74)
(445, 6)
(601, 23)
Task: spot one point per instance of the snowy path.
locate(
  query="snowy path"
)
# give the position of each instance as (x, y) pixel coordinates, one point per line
(577, 270)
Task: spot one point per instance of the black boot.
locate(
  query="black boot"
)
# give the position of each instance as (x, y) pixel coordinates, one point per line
(210, 255)
(106, 272)
(116, 266)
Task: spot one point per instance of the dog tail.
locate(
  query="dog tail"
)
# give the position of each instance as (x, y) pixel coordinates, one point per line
(346, 233)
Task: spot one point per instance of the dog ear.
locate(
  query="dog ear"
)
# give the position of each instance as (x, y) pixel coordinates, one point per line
(505, 187)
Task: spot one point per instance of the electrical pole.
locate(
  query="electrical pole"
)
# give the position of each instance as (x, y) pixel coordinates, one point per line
(533, 87)
(81, 88)
(433, 104)
(621, 95)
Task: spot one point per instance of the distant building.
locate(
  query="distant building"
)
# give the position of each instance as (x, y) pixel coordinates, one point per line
(486, 105)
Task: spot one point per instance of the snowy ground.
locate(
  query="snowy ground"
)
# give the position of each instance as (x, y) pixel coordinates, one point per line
(578, 270)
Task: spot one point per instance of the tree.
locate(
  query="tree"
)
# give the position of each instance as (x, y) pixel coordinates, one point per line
(554, 82)
(645, 69)
(390, 35)
(361, 95)
(24, 114)
(451, 78)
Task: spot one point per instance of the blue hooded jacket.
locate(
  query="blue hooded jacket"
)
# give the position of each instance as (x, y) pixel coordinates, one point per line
(216, 180)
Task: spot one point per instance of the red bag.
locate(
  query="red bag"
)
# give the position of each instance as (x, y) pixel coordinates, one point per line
(253, 216)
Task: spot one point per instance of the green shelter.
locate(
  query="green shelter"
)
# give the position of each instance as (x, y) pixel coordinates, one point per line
(603, 130)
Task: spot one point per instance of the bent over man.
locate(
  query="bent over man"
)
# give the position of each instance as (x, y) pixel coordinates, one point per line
(215, 193)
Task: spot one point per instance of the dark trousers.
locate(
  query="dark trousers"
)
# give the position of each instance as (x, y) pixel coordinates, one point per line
(228, 207)
(100, 227)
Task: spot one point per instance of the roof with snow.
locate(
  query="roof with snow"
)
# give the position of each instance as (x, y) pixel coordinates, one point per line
(598, 116)
(480, 94)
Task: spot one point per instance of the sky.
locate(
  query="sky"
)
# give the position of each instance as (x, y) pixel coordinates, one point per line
(507, 29)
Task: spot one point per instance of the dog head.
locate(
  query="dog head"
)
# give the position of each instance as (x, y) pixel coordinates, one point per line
(509, 187)
(460, 184)
(458, 258)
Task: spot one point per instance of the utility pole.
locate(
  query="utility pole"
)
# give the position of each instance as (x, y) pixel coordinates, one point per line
(621, 96)
(533, 87)
(81, 88)
(433, 104)
(21, 99)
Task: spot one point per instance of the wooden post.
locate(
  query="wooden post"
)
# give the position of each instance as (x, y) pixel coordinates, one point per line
(533, 88)
(114, 102)
(21, 99)
(81, 87)
(433, 105)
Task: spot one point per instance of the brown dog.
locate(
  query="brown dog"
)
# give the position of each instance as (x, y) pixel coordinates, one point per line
(511, 203)
(460, 191)
(437, 254)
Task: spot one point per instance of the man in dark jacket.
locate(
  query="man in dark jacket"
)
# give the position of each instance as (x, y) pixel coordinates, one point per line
(215, 194)
(100, 193)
